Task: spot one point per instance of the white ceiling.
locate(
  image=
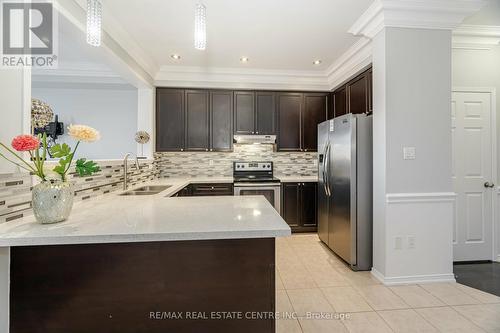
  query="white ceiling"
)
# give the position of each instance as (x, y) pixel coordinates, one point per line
(274, 34)
(79, 64)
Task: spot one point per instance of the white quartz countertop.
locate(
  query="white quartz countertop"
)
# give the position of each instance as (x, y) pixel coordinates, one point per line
(115, 219)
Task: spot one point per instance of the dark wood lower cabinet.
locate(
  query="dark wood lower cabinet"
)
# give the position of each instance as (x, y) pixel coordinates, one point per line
(299, 206)
(211, 189)
(206, 189)
(156, 287)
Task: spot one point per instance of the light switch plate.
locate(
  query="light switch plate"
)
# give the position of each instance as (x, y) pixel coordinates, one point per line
(409, 153)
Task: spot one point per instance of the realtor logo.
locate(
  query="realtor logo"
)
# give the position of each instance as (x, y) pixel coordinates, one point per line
(28, 34)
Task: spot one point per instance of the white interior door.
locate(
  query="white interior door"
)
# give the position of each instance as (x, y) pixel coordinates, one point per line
(472, 174)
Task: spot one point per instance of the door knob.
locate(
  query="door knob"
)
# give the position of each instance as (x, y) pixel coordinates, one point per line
(488, 185)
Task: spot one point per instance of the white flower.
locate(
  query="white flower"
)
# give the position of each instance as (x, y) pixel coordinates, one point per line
(83, 133)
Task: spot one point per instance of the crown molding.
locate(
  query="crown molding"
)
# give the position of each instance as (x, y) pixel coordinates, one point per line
(421, 14)
(476, 35)
(77, 72)
(349, 63)
(219, 77)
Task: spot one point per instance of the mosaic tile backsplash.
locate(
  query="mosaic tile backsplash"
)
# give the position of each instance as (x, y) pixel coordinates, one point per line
(15, 189)
(195, 164)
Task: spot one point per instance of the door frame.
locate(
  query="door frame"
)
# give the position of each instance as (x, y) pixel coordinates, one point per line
(495, 209)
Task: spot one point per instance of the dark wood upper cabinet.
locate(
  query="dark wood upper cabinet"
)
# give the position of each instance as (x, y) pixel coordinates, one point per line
(170, 120)
(197, 120)
(221, 124)
(339, 102)
(355, 96)
(370, 90)
(244, 114)
(331, 106)
(315, 112)
(289, 123)
(265, 113)
(358, 95)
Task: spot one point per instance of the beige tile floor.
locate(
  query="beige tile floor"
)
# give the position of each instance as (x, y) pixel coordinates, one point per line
(317, 292)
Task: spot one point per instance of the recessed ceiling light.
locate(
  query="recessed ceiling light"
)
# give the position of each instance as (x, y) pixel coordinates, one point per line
(244, 59)
(317, 62)
(175, 56)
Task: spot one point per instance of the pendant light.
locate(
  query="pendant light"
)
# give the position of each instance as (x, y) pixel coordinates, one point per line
(94, 22)
(200, 27)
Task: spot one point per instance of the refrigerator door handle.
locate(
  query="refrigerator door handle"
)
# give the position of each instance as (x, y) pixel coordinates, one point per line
(326, 170)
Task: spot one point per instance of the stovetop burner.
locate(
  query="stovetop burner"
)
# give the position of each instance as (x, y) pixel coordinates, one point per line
(250, 172)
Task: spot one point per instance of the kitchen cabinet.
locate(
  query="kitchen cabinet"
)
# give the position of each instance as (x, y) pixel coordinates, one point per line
(221, 123)
(197, 120)
(170, 120)
(254, 112)
(370, 90)
(289, 125)
(265, 113)
(244, 112)
(339, 102)
(315, 112)
(358, 95)
(355, 96)
(185, 192)
(206, 189)
(298, 118)
(299, 206)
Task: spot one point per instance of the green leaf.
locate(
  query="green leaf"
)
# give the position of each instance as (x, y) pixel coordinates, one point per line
(60, 169)
(86, 168)
(59, 150)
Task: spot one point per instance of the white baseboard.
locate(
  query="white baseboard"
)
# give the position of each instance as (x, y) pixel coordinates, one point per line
(416, 279)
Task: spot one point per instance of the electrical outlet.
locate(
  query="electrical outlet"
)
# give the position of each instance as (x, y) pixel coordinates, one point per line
(411, 242)
(398, 243)
(315, 162)
(211, 162)
(409, 153)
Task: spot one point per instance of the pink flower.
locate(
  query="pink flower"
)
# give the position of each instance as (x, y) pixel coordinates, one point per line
(25, 143)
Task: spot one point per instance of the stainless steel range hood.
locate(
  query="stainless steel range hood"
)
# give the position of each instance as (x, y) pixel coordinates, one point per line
(255, 139)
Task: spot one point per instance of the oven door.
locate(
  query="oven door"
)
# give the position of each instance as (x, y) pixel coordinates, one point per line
(270, 192)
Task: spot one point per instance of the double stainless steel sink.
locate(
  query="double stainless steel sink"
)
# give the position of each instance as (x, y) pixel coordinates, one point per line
(147, 190)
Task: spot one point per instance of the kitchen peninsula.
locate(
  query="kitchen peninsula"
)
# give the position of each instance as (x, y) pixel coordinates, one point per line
(131, 262)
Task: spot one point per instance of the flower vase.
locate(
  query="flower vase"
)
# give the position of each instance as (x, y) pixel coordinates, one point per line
(52, 201)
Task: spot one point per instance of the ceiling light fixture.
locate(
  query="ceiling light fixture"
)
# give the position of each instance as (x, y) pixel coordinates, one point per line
(175, 56)
(94, 22)
(244, 59)
(200, 27)
(317, 62)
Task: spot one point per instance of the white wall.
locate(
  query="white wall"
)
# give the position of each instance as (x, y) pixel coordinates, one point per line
(111, 111)
(11, 110)
(481, 68)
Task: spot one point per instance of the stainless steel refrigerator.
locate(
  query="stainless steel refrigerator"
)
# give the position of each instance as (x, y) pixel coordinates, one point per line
(345, 192)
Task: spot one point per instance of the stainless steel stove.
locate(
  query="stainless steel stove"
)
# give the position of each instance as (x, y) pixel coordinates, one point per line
(257, 178)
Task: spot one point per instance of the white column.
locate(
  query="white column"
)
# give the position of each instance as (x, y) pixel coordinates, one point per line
(413, 198)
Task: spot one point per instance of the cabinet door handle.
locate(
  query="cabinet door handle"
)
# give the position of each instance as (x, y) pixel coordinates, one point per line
(489, 185)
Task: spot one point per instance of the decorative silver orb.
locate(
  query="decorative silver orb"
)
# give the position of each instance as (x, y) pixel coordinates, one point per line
(142, 137)
(41, 113)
